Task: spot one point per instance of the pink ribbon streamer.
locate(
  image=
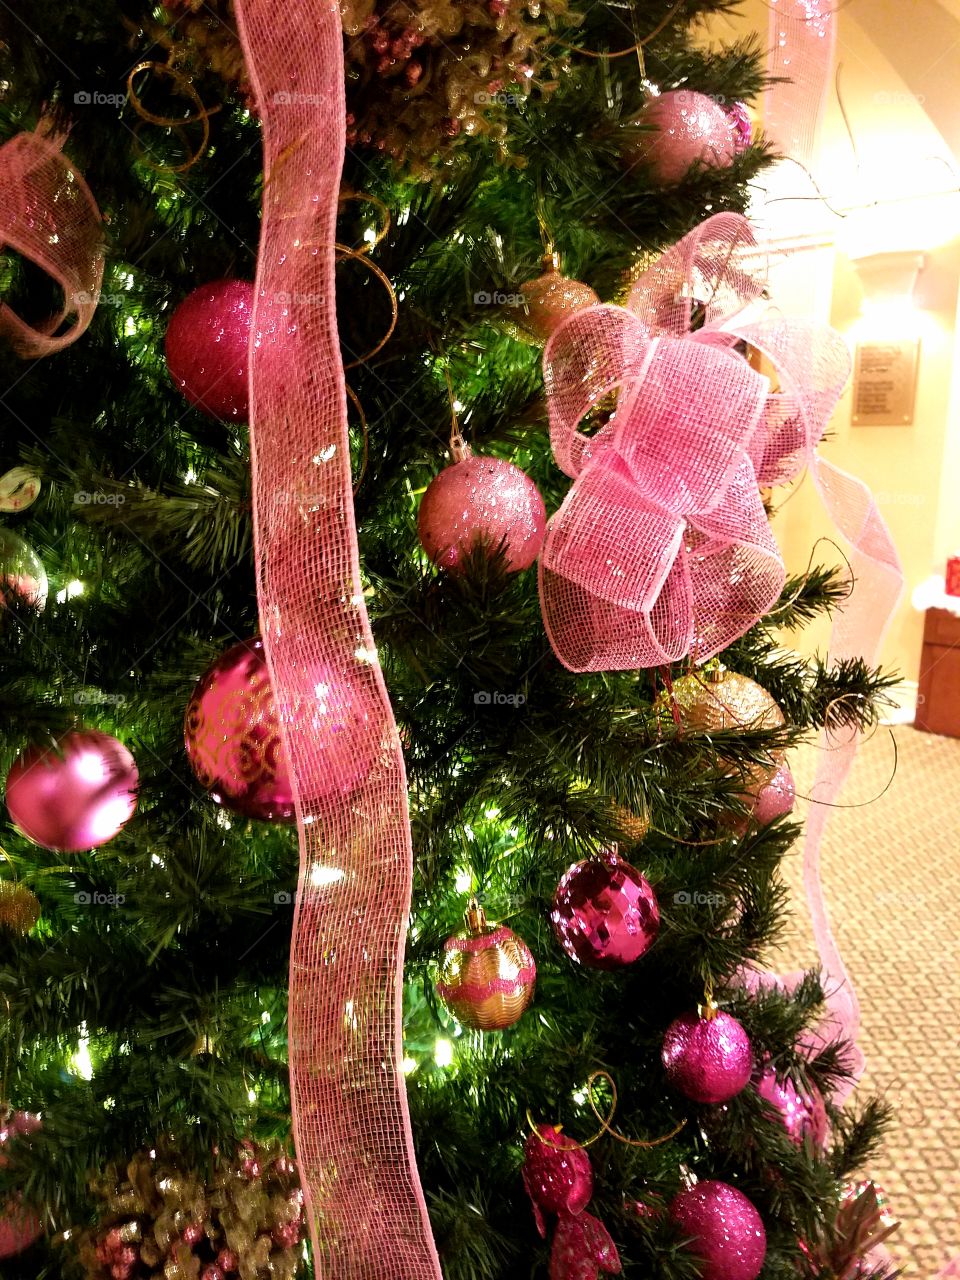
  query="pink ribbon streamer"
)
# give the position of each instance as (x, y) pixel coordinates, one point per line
(802, 36)
(48, 214)
(661, 549)
(351, 1123)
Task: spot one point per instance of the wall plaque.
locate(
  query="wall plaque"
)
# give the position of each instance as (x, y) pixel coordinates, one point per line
(885, 383)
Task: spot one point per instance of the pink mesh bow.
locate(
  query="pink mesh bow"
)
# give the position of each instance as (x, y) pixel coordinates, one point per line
(48, 214)
(661, 549)
(355, 1153)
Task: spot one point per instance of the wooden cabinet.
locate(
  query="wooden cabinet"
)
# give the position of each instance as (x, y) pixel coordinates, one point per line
(938, 701)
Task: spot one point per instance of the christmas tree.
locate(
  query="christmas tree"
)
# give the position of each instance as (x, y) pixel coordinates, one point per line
(507, 165)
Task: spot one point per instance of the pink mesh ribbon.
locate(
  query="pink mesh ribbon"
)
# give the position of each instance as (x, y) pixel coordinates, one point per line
(48, 214)
(802, 36)
(662, 549)
(351, 1124)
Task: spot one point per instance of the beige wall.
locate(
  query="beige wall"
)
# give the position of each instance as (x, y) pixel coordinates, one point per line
(886, 181)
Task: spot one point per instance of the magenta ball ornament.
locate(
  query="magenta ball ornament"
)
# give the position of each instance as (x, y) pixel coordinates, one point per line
(708, 1059)
(725, 1230)
(482, 500)
(206, 347)
(605, 913)
(556, 1171)
(233, 742)
(687, 129)
(803, 1113)
(776, 798)
(75, 795)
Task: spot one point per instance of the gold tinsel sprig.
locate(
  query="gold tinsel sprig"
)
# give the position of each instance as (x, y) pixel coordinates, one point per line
(162, 1219)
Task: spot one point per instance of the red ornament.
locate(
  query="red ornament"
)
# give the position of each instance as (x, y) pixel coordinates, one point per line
(707, 1057)
(725, 1229)
(206, 346)
(193, 1234)
(556, 1173)
(20, 1226)
(487, 975)
(212, 1272)
(482, 500)
(802, 1112)
(228, 1261)
(75, 795)
(605, 914)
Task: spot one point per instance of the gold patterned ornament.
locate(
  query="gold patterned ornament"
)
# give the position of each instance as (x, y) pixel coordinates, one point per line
(550, 298)
(487, 974)
(19, 908)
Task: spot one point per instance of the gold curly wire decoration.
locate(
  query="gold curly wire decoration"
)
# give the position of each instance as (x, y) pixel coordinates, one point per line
(636, 48)
(604, 1121)
(201, 116)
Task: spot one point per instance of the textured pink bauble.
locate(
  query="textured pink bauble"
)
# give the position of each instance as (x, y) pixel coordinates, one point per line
(605, 913)
(707, 1059)
(482, 499)
(556, 1171)
(73, 796)
(206, 347)
(803, 1113)
(232, 735)
(689, 129)
(20, 1226)
(776, 798)
(725, 1229)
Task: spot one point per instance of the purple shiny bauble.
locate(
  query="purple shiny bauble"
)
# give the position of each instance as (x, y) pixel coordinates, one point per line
(688, 129)
(75, 795)
(725, 1230)
(206, 347)
(707, 1059)
(556, 1171)
(482, 499)
(605, 913)
(803, 1114)
(776, 798)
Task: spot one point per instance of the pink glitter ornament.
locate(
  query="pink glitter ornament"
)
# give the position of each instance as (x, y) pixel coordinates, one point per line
(688, 129)
(193, 1234)
(803, 1114)
(725, 1229)
(484, 500)
(708, 1058)
(75, 795)
(605, 914)
(776, 798)
(20, 1225)
(206, 348)
(556, 1173)
(228, 1261)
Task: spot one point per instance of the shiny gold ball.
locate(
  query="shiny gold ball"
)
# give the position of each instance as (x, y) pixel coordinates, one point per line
(487, 975)
(548, 301)
(710, 701)
(19, 908)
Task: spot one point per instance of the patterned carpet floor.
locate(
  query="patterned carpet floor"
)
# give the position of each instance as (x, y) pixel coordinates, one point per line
(892, 875)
